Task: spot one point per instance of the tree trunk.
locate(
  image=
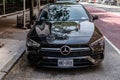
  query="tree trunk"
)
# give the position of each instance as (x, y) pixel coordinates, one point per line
(31, 10)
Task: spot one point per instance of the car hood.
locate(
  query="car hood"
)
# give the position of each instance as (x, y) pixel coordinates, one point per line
(69, 32)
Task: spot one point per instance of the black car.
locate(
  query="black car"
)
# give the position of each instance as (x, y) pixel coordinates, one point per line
(64, 36)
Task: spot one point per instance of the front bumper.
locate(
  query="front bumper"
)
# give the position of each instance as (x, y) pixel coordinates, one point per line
(85, 61)
(52, 62)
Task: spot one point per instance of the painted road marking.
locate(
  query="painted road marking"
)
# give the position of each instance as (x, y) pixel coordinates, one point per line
(118, 50)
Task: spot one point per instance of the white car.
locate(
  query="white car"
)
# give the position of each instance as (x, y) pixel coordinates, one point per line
(99, 1)
(91, 1)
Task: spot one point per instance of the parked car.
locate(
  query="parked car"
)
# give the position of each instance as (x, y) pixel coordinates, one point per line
(67, 1)
(64, 36)
(99, 1)
(109, 2)
(91, 1)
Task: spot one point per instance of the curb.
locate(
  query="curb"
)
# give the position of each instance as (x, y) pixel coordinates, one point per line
(4, 71)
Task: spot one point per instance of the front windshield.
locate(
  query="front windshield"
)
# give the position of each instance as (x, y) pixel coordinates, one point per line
(67, 13)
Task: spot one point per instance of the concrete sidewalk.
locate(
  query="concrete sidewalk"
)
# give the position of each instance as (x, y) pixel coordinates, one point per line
(9, 54)
(12, 46)
(13, 40)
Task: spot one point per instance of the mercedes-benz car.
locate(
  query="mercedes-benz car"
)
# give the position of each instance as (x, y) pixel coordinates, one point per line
(65, 36)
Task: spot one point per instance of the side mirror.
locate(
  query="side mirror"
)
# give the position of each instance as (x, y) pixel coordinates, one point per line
(43, 19)
(95, 17)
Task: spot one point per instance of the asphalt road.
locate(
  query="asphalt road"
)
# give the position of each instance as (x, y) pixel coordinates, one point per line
(108, 22)
(108, 70)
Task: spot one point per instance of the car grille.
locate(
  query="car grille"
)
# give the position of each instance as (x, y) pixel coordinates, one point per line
(78, 62)
(76, 50)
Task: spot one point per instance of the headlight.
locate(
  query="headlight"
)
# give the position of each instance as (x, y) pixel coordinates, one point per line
(32, 43)
(97, 45)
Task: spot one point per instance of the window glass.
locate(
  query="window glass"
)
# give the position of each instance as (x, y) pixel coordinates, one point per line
(67, 13)
(1, 2)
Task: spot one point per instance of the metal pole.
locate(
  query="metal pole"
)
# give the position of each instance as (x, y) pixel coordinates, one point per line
(4, 6)
(39, 4)
(24, 20)
(31, 11)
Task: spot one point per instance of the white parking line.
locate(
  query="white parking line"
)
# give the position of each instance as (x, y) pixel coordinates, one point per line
(118, 50)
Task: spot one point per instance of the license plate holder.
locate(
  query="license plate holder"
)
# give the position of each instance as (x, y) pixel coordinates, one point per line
(65, 62)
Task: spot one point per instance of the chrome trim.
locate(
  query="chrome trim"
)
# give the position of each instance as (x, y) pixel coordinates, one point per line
(72, 49)
(50, 49)
(89, 58)
(65, 50)
(80, 49)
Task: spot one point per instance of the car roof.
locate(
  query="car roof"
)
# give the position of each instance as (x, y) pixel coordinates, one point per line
(66, 1)
(67, 4)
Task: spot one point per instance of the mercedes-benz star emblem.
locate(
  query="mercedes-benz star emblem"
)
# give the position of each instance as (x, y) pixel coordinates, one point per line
(65, 50)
